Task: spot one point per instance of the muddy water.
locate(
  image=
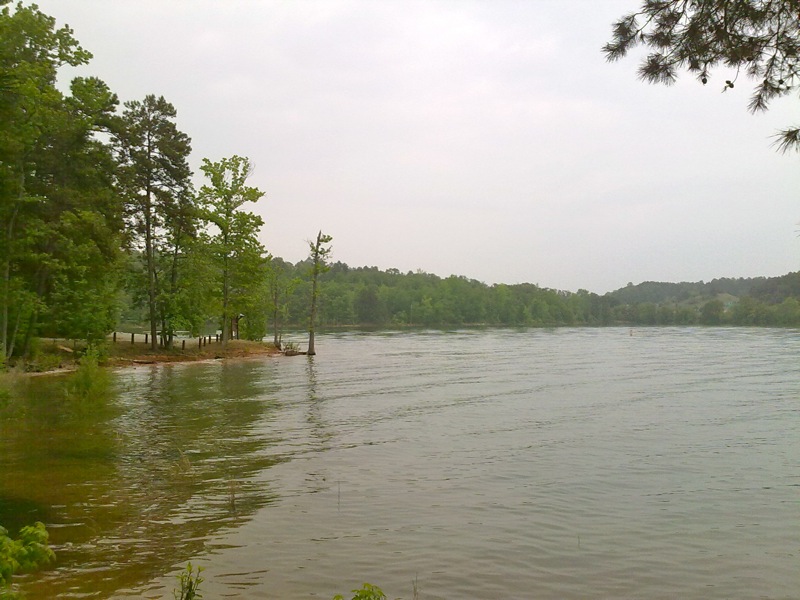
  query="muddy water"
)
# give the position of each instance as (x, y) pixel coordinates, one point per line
(574, 463)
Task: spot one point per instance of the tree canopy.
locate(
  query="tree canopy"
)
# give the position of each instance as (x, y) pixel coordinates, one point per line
(759, 38)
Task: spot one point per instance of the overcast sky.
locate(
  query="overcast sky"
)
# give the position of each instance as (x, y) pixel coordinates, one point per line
(486, 139)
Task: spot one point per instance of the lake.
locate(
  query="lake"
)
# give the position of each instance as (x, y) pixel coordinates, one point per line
(552, 464)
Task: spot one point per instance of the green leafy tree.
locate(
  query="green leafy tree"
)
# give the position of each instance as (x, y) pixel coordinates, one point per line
(31, 52)
(368, 306)
(239, 257)
(178, 282)
(155, 178)
(712, 312)
(59, 214)
(318, 257)
(760, 38)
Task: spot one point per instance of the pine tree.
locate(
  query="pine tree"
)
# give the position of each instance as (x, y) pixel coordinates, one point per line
(760, 38)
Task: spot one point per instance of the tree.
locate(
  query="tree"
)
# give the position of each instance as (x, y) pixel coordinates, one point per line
(758, 37)
(155, 177)
(59, 212)
(238, 255)
(280, 286)
(712, 312)
(318, 256)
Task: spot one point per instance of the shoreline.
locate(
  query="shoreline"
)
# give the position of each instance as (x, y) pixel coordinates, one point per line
(56, 358)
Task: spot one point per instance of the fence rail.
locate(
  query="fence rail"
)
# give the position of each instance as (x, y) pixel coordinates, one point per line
(203, 340)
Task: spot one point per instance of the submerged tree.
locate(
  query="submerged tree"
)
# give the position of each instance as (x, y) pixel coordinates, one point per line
(319, 264)
(758, 37)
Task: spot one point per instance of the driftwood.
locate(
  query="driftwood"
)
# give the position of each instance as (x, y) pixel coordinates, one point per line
(294, 353)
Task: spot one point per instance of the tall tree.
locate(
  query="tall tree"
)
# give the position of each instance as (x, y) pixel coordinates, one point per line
(155, 177)
(84, 213)
(181, 220)
(318, 256)
(758, 37)
(240, 258)
(59, 213)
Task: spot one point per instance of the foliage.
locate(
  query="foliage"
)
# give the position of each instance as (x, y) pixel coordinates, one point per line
(154, 178)
(59, 215)
(30, 551)
(367, 592)
(190, 584)
(318, 257)
(89, 381)
(758, 37)
(237, 255)
(369, 297)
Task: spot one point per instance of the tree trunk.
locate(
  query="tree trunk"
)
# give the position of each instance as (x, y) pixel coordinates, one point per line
(275, 310)
(226, 320)
(275, 341)
(6, 299)
(313, 317)
(151, 270)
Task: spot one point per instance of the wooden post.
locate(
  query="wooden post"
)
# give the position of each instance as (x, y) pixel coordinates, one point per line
(199, 342)
(114, 337)
(145, 339)
(183, 344)
(133, 334)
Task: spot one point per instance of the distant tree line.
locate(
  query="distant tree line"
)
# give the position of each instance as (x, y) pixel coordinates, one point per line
(370, 297)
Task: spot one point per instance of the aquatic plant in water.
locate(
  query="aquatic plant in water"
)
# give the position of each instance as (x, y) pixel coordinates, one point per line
(367, 592)
(90, 381)
(190, 584)
(30, 551)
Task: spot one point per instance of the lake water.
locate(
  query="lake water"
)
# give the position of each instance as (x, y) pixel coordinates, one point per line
(542, 464)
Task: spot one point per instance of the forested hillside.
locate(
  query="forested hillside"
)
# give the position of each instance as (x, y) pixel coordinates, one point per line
(367, 296)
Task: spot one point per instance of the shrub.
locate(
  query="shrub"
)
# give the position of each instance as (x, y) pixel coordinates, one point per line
(368, 592)
(27, 553)
(90, 381)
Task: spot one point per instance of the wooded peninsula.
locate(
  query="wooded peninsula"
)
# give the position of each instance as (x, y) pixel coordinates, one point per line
(102, 229)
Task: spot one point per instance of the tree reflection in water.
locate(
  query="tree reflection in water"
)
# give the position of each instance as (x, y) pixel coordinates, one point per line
(134, 483)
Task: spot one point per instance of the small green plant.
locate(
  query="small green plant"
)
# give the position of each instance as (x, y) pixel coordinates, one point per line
(190, 584)
(90, 381)
(27, 553)
(367, 592)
